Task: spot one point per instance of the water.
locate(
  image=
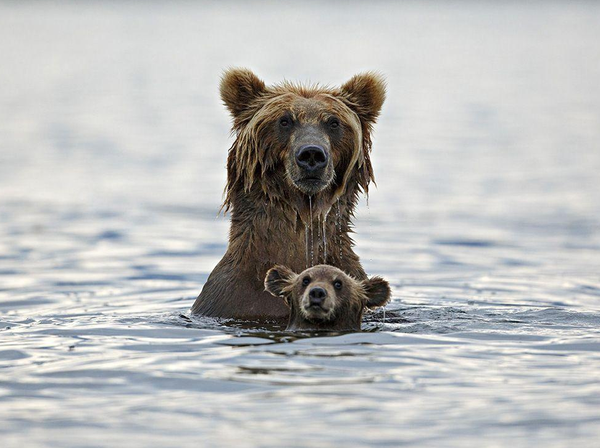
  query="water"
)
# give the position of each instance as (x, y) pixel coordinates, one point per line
(486, 222)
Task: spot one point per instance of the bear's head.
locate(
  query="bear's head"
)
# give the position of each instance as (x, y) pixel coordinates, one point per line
(295, 141)
(324, 298)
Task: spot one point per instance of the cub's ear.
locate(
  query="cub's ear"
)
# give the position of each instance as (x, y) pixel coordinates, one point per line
(239, 88)
(277, 279)
(377, 291)
(365, 93)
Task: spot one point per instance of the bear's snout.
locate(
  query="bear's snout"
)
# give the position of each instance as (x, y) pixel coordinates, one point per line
(317, 304)
(316, 296)
(312, 159)
(310, 162)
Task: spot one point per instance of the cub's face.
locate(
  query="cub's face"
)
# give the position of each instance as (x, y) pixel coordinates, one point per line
(307, 137)
(324, 297)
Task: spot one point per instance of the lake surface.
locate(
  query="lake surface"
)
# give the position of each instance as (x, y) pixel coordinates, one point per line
(486, 222)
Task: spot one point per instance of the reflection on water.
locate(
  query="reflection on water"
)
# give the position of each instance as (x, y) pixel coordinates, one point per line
(486, 221)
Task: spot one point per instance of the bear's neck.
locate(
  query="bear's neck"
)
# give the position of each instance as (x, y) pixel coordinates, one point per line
(298, 233)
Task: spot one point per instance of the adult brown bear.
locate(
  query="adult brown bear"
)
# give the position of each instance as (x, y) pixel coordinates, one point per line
(299, 161)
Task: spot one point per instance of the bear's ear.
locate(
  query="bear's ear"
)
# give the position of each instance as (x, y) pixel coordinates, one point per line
(239, 88)
(277, 279)
(366, 94)
(377, 291)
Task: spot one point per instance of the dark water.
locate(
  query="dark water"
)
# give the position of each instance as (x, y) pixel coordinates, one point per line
(486, 221)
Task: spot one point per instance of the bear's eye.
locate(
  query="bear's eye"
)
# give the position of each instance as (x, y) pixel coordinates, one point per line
(305, 281)
(334, 123)
(337, 285)
(284, 122)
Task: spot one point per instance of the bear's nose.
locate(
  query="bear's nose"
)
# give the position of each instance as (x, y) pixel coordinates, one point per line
(316, 296)
(311, 157)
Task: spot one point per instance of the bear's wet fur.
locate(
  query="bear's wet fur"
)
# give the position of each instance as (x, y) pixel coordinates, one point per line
(324, 298)
(300, 157)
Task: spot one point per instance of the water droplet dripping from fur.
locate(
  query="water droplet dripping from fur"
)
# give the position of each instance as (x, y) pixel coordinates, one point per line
(339, 227)
(325, 238)
(306, 244)
(319, 227)
(312, 242)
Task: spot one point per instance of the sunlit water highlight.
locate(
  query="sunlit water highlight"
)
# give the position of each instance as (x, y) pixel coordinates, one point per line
(486, 221)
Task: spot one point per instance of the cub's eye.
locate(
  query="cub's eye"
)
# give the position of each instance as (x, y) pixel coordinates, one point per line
(334, 123)
(284, 122)
(337, 285)
(305, 281)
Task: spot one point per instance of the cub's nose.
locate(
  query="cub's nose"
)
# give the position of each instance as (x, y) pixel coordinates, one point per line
(311, 158)
(316, 296)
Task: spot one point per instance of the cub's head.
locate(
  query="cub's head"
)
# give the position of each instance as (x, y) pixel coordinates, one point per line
(325, 298)
(294, 140)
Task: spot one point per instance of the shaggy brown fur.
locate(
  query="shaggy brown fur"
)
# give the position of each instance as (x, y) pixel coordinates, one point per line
(279, 214)
(324, 298)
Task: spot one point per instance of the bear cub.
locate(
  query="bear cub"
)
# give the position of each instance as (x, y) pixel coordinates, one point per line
(325, 298)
